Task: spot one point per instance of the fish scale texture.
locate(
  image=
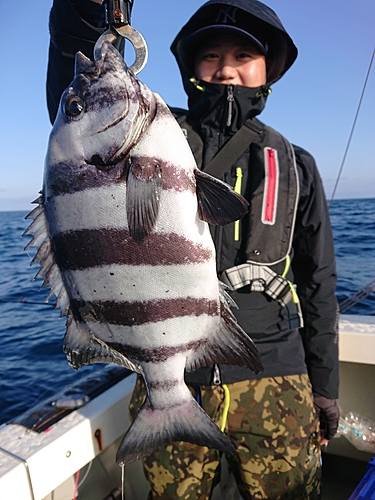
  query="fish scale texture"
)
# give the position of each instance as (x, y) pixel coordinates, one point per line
(122, 244)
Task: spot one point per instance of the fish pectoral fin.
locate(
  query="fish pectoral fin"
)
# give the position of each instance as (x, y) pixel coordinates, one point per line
(218, 203)
(228, 345)
(142, 197)
(153, 429)
(81, 348)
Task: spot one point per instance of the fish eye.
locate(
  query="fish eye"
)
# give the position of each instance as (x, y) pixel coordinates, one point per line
(73, 107)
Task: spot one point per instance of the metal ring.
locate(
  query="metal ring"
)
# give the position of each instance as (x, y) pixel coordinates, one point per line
(134, 37)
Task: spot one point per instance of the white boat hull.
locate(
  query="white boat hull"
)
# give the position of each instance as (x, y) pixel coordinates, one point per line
(35, 464)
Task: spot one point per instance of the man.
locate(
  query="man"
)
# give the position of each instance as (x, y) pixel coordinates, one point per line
(229, 53)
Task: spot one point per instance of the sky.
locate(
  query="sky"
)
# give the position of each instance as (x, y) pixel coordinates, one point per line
(313, 105)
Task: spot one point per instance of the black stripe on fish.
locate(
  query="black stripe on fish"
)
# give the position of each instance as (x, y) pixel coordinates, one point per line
(173, 177)
(229, 345)
(157, 354)
(71, 177)
(166, 385)
(139, 313)
(101, 247)
(99, 96)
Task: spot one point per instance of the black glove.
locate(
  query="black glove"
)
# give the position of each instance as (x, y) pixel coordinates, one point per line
(328, 413)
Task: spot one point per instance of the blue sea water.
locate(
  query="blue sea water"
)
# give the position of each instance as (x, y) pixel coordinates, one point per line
(32, 364)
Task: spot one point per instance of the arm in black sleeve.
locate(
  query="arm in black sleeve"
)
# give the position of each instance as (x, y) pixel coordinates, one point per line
(314, 269)
(69, 33)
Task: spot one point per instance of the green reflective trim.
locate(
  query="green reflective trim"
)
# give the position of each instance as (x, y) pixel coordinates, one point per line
(197, 86)
(237, 189)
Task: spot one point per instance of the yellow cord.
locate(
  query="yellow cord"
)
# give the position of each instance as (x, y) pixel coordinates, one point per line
(287, 266)
(237, 189)
(294, 293)
(226, 407)
(292, 289)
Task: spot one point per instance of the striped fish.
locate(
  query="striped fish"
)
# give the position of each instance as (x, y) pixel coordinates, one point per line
(122, 240)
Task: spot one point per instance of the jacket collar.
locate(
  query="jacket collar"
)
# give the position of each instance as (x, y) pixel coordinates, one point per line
(224, 107)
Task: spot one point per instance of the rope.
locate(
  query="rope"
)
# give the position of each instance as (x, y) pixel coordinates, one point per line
(226, 407)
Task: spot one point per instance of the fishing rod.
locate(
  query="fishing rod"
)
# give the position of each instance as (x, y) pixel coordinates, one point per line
(353, 127)
(357, 297)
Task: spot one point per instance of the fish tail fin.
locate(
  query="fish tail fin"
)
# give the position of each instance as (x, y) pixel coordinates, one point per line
(154, 429)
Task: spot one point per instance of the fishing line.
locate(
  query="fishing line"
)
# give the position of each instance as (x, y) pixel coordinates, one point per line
(21, 301)
(85, 476)
(76, 485)
(352, 131)
(122, 481)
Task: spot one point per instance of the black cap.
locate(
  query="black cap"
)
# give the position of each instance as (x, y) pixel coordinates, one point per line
(250, 18)
(194, 41)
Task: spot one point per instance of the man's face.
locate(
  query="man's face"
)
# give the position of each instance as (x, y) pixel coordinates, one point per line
(231, 60)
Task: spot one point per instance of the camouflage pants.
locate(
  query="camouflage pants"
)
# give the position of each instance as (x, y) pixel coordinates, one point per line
(273, 426)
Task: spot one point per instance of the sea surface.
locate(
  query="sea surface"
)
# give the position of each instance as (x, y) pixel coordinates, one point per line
(32, 364)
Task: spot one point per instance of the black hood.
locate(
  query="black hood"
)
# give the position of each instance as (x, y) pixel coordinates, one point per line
(250, 15)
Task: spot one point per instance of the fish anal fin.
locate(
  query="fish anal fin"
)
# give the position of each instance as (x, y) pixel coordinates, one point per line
(153, 429)
(81, 347)
(218, 203)
(229, 345)
(142, 196)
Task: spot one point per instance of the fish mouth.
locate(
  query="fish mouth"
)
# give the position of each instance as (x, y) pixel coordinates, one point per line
(100, 164)
(105, 165)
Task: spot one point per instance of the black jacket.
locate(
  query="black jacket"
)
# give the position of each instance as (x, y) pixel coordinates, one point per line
(314, 348)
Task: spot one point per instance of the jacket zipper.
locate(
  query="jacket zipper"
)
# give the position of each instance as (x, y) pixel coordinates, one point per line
(230, 99)
(216, 380)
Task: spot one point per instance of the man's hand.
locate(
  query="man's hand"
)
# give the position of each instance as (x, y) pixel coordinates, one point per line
(329, 416)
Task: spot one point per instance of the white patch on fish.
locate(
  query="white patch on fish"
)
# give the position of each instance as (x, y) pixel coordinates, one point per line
(123, 242)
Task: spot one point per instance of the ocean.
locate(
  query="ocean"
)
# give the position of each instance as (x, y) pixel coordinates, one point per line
(32, 364)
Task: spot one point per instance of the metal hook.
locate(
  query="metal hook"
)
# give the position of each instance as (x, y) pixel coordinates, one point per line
(134, 37)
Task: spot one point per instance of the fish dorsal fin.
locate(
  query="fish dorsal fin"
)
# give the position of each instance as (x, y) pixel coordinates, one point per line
(217, 202)
(49, 270)
(142, 196)
(83, 64)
